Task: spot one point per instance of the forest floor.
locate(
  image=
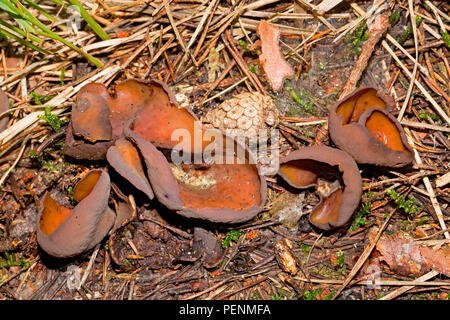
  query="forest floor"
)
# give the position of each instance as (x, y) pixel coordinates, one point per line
(208, 52)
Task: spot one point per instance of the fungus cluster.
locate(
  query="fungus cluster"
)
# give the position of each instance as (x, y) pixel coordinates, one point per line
(141, 129)
(134, 131)
(363, 128)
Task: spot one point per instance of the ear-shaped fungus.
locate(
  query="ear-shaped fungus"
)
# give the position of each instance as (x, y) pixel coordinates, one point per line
(4, 106)
(126, 160)
(64, 232)
(98, 119)
(303, 168)
(89, 134)
(361, 125)
(218, 192)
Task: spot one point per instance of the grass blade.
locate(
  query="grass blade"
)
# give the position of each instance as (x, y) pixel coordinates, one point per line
(92, 23)
(50, 34)
(20, 31)
(9, 8)
(38, 8)
(22, 41)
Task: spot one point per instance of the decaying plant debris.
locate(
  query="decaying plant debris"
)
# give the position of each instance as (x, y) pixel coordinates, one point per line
(86, 118)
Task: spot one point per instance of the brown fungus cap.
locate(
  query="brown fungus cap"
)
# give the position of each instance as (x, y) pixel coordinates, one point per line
(210, 247)
(64, 232)
(225, 193)
(303, 168)
(361, 125)
(4, 106)
(90, 116)
(126, 160)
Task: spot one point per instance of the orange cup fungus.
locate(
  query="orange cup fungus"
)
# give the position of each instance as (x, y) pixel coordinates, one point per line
(361, 125)
(308, 167)
(65, 232)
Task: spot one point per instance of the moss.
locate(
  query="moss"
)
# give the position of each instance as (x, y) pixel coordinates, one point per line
(304, 100)
(52, 120)
(408, 206)
(394, 18)
(408, 32)
(360, 220)
(232, 235)
(445, 37)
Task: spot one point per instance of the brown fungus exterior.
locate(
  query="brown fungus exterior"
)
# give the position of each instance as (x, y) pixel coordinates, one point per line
(361, 125)
(64, 232)
(218, 192)
(126, 160)
(90, 116)
(80, 148)
(303, 168)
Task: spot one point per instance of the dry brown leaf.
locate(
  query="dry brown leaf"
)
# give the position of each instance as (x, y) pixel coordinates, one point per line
(406, 257)
(285, 257)
(275, 66)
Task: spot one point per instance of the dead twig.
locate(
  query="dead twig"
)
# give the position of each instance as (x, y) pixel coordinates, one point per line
(376, 30)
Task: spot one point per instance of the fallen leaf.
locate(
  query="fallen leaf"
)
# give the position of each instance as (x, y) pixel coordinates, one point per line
(275, 66)
(285, 257)
(404, 256)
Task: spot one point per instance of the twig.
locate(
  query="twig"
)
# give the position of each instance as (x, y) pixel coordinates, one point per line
(6, 174)
(380, 282)
(404, 289)
(177, 34)
(430, 190)
(385, 45)
(421, 125)
(413, 76)
(228, 40)
(209, 289)
(217, 82)
(376, 30)
(89, 267)
(226, 90)
(254, 283)
(433, 102)
(206, 13)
